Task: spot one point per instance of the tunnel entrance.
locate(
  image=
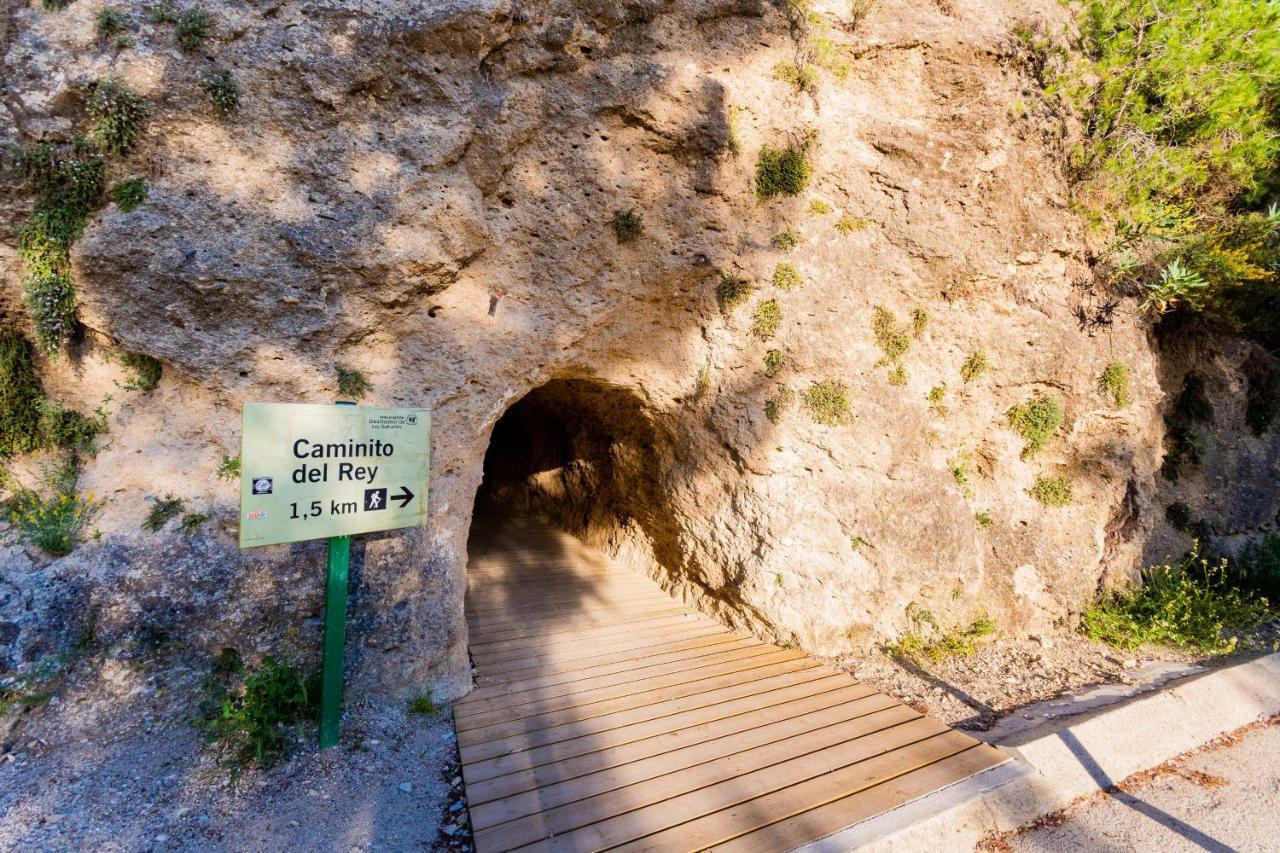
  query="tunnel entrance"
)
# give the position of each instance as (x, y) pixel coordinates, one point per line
(583, 456)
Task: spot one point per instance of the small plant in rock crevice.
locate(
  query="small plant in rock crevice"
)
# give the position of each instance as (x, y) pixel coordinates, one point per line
(627, 226)
(938, 400)
(798, 75)
(982, 519)
(773, 362)
(20, 395)
(919, 322)
(787, 238)
(732, 292)
(192, 29)
(110, 24)
(1117, 384)
(229, 468)
(222, 90)
(54, 524)
(959, 467)
(145, 372)
(1052, 491)
(422, 704)
(118, 116)
(192, 521)
(128, 194)
(926, 640)
(163, 510)
(784, 171)
(827, 402)
(766, 319)
(777, 405)
(786, 277)
(351, 382)
(974, 366)
(1036, 420)
(733, 134)
(848, 224)
(818, 207)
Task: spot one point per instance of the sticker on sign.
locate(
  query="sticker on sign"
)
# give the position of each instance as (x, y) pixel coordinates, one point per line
(310, 472)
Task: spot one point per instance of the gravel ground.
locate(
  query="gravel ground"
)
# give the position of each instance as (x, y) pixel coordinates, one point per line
(111, 763)
(1221, 797)
(1005, 676)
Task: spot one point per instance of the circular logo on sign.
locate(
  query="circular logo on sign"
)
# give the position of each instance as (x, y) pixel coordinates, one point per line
(262, 485)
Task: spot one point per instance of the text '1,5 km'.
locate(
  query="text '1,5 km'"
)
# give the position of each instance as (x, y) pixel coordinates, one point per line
(310, 472)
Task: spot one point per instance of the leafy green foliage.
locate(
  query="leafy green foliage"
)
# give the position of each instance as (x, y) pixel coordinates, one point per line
(787, 238)
(191, 522)
(1052, 491)
(1036, 421)
(802, 77)
(773, 362)
(110, 24)
(766, 319)
(145, 371)
(778, 404)
(974, 366)
(927, 641)
(1183, 142)
(983, 519)
(919, 322)
(20, 395)
(351, 382)
(784, 171)
(229, 468)
(222, 90)
(959, 467)
(422, 704)
(786, 277)
(72, 430)
(118, 115)
(1117, 384)
(827, 402)
(162, 511)
(255, 714)
(819, 207)
(938, 400)
(1189, 604)
(192, 29)
(627, 225)
(732, 292)
(847, 224)
(129, 193)
(54, 524)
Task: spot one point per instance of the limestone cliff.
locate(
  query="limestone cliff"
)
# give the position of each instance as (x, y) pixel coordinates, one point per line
(424, 191)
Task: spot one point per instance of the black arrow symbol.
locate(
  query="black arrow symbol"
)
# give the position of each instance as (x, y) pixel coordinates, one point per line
(404, 497)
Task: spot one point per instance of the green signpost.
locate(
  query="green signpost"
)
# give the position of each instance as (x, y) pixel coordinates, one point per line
(311, 472)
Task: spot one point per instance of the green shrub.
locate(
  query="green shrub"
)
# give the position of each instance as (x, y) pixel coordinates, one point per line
(827, 402)
(974, 366)
(787, 238)
(919, 322)
(256, 715)
(916, 644)
(938, 400)
(110, 24)
(1183, 142)
(892, 338)
(777, 405)
(732, 292)
(351, 382)
(627, 225)
(898, 374)
(1189, 604)
(222, 90)
(783, 171)
(819, 207)
(983, 519)
(229, 468)
(56, 524)
(128, 194)
(773, 361)
(766, 319)
(1052, 491)
(191, 522)
(859, 11)
(960, 473)
(1117, 384)
(20, 395)
(145, 371)
(422, 704)
(1036, 421)
(162, 511)
(192, 29)
(786, 277)
(848, 224)
(118, 115)
(71, 430)
(800, 76)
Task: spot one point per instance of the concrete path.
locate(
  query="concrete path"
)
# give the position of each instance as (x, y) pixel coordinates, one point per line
(1219, 800)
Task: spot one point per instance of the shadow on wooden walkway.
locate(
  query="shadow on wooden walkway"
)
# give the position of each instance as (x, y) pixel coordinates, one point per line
(608, 715)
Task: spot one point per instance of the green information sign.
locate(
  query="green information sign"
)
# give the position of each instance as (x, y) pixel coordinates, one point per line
(311, 472)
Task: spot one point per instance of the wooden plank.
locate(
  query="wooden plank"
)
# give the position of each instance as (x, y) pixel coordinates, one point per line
(745, 815)
(737, 804)
(585, 799)
(866, 804)
(665, 716)
(510, 698)
(594, 615)
(621, 621)
(585, 657)
(539, 714)
(634, 666)
(547, 775)
(533, 610)
(585, 636)
(573, 648)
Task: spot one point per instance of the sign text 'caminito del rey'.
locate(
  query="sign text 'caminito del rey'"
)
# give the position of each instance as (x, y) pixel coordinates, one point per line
(310, 472)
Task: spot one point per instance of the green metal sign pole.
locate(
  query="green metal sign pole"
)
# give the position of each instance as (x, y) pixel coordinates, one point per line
(335, 636)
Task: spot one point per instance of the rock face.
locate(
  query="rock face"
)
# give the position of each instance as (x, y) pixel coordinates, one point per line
(424, 192)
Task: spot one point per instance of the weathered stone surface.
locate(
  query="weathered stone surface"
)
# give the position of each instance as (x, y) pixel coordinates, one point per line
(423, 192)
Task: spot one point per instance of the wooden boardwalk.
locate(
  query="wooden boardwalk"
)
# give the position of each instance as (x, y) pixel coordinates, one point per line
(607, 715)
